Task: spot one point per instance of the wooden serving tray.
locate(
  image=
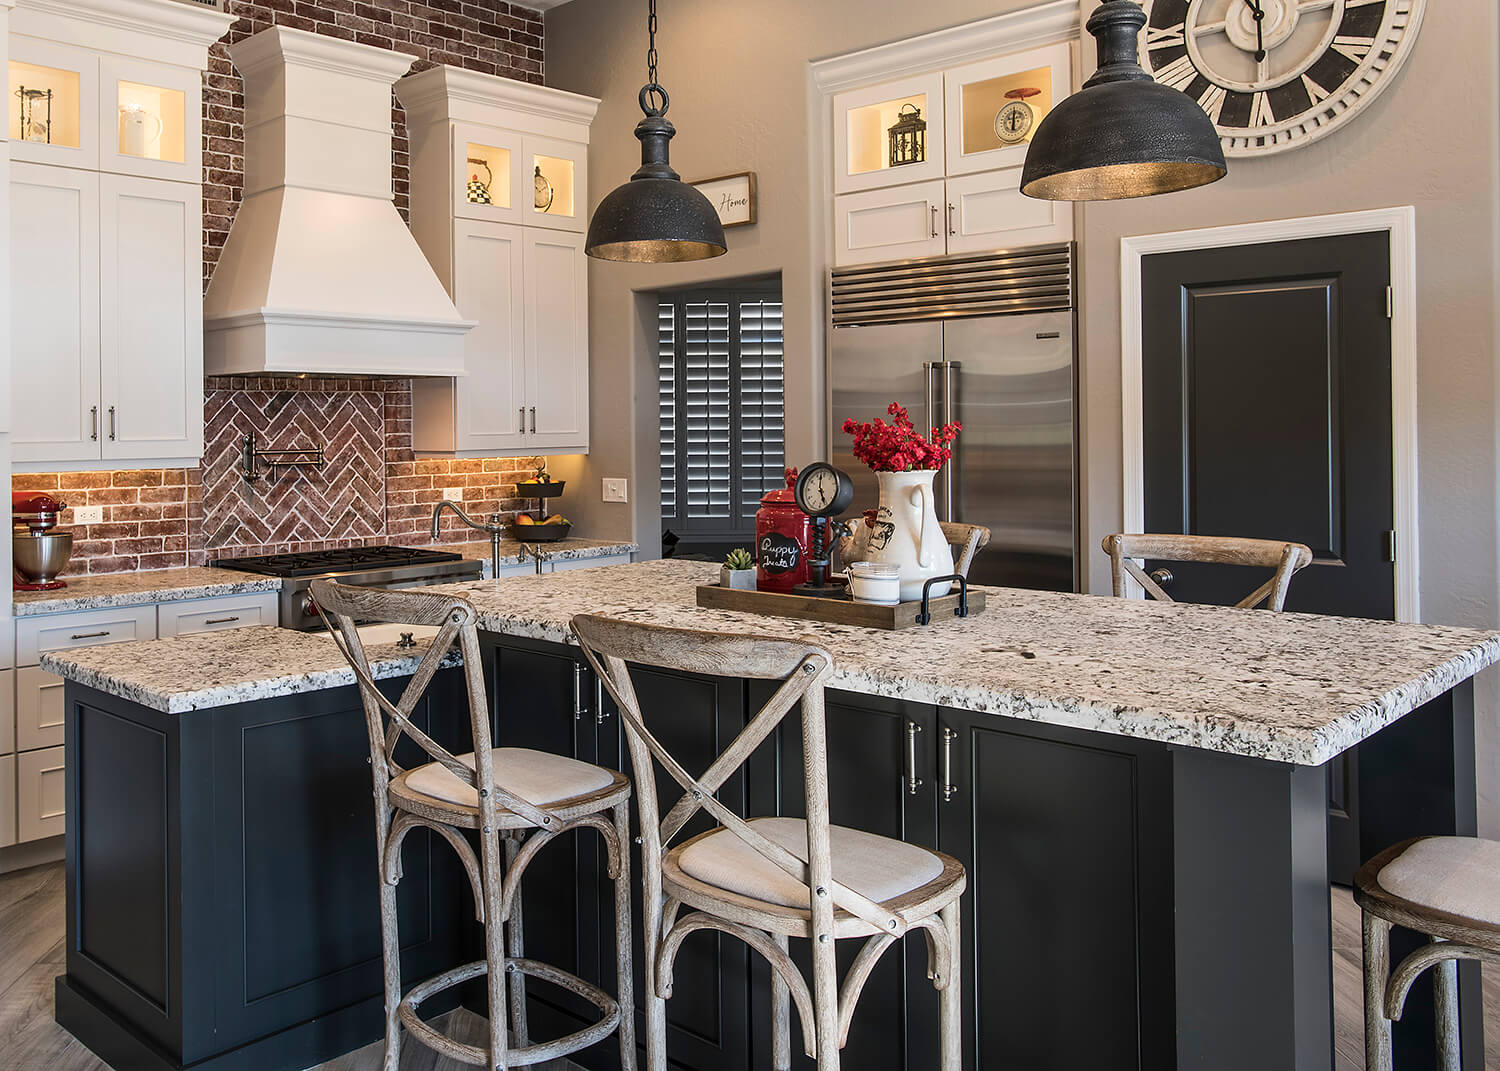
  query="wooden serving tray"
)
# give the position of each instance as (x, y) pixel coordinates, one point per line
(834, 611)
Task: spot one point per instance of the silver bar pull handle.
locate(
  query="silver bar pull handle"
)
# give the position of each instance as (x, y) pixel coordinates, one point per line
(913, 782)
(111, 423)
(94, 421)
(533, 420)
(578, 711)
(600, 711)
(521, 420)
(221, 620)
(952, 230)
(934, 219)
(88, 635)
(949, 788)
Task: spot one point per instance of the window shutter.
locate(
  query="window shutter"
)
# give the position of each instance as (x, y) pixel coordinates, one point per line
(666, 404)
(762, 439)
(706, 409)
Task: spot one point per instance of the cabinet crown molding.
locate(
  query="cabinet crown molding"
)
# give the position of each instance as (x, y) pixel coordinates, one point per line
(450, 93)
(198, 26)
(1043, 24)
(281, 46)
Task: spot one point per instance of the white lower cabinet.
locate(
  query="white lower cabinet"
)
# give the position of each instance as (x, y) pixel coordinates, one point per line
(39, 709)
(590, 563)
(7, 800)
(889, 224)
(40, 794)
(87, 628)
(215, 615)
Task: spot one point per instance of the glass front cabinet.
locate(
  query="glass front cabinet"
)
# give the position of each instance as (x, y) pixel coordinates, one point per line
(931, 164)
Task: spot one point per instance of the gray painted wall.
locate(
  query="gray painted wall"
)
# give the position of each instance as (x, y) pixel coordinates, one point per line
(739, 82)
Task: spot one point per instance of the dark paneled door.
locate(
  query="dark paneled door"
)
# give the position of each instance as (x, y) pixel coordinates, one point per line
(1266, 376)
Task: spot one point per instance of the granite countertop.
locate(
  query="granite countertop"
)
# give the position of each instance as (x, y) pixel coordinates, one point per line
(133, 589)
(1296, 688)
(569, 549)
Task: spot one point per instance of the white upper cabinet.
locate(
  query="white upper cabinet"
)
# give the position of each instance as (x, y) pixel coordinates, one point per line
(893, 224)
(866, 152)
(54, 324)
(106, 219)
(499, 204)
(993, 107)
(987, 210)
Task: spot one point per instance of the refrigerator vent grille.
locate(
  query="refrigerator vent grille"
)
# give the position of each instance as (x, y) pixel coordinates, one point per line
(1033, 279)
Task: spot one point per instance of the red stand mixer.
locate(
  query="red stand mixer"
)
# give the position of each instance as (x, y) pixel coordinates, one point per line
(40, 554)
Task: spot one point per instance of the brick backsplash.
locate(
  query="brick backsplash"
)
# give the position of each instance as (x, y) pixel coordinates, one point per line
(479, 35)
(161, 518)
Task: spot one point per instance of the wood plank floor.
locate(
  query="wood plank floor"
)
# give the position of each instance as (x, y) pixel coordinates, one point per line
(31, 957)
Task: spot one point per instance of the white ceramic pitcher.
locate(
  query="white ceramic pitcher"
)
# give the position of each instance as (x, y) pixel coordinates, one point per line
(139, 127)
(907, 533)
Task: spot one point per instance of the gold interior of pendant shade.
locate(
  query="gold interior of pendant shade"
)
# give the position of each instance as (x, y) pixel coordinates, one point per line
(658, 251)
(1117, 181)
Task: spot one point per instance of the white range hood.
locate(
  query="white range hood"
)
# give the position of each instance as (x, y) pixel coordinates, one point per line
(319, 274)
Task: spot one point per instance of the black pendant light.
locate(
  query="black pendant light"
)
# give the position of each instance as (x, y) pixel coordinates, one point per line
(655, 217)
(1123, 134)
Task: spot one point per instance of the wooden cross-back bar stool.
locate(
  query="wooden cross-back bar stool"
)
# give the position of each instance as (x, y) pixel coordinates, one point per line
(1283, 558)
(514, 799)
(766, 880)
(1447, 888)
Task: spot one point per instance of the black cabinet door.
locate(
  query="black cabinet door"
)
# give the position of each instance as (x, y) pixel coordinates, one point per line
(539, 700)
(1054, 937)
(880, 761)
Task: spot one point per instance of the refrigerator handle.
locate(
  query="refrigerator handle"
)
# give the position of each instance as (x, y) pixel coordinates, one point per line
(947, 418)
(927, 367)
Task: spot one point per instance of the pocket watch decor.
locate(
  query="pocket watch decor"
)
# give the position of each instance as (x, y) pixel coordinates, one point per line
(1277, 74)
(543, 195)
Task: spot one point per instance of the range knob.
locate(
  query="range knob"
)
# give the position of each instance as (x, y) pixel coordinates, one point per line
(307, 605)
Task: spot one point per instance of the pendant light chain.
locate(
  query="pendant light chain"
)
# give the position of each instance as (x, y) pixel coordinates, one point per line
(654, 99)
(651, 52)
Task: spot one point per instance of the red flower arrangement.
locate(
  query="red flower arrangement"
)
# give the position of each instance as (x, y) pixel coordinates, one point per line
(897, 447)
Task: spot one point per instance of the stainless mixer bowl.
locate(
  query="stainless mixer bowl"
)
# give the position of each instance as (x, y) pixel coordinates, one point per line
(40, 557)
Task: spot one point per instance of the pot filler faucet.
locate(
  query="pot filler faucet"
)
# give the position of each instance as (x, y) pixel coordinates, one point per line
(492, 528)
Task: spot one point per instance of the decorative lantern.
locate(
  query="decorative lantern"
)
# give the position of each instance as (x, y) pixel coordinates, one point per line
(908, 137)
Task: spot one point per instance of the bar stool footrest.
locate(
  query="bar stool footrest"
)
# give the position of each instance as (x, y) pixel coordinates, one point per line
(518, 1057)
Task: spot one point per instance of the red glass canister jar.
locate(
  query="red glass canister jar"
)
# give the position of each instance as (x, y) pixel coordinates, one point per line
(783, 539)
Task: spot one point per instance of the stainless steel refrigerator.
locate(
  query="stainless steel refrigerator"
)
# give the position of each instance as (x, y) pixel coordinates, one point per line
(987, 340)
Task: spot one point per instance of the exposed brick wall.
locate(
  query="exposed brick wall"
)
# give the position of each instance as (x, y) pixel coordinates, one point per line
(480, 35)
(154, 518)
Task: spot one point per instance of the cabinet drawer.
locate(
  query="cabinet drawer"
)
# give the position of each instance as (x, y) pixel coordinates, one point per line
(7, 711)
(59, 632)
(213, 615)
(39, 794)
(7, 800)
(39, 709)
(590, 563)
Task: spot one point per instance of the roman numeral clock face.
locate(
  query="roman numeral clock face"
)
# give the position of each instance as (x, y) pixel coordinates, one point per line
(1276, 74)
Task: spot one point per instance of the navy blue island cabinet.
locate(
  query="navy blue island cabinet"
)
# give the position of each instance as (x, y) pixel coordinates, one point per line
(1132, 906)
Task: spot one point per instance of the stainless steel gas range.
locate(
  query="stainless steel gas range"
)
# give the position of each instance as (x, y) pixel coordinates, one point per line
(381, 567)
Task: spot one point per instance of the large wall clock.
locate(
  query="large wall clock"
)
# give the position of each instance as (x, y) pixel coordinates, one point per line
(1277, 74)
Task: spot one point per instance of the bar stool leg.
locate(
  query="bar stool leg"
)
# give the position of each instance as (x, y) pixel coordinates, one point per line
(656, 1007)
(781, 1015)
(1377, 969)
(391, 945)
(625, 986)
(951, 1000)
(494, 950)
(516, 942)
(825, 996)
(1445, 988)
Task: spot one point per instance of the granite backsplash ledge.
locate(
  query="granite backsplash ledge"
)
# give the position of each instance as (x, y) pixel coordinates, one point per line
(371, 489)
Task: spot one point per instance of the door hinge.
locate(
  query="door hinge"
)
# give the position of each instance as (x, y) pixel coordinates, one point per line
(1390, 303)
(1388, 542)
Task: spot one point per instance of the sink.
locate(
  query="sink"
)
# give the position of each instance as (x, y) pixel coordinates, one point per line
(373, 635)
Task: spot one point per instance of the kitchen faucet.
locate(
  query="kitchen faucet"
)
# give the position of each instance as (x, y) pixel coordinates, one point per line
(493, 528)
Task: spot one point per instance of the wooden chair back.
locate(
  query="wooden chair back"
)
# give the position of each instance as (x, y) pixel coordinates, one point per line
(1283, 558)
(611, 645)
(343, 608)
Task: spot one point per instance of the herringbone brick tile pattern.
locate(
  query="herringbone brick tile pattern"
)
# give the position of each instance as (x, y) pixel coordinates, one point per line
(345, 499)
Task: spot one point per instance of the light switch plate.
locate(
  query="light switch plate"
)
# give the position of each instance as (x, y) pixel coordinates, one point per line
(615, 489)
(88, 514)
(453, 494)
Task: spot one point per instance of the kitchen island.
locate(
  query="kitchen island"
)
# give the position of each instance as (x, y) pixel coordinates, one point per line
(1137, 790)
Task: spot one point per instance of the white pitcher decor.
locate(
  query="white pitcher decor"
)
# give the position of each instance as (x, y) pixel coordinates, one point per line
(906, 532)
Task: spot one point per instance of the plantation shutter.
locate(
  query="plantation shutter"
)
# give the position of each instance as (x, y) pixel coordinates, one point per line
(720, 406)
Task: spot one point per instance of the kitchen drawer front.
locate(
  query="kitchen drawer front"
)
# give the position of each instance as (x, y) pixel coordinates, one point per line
(39, 794)
(7, 800)
(39, 709)
(59, 632)
(214, 615)
(7, 711)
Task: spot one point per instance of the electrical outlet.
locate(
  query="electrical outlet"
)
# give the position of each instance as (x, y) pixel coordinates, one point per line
(614, 489)
(453, 494)
(88, 514)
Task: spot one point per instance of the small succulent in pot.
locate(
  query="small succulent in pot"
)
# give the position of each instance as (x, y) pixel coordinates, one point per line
(738, 570)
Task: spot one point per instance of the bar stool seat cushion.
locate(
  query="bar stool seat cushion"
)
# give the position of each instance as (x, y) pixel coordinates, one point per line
(874, 866)
(536, 776)
(1458, 875)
